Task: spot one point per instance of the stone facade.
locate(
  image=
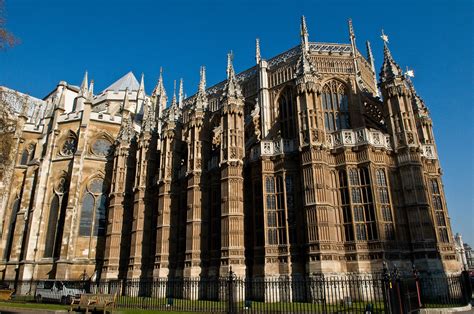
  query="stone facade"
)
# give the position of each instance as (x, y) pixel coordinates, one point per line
(301, 164)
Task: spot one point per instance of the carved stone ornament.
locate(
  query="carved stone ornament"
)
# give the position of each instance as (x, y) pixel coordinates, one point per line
(255, 114)
(216, 135)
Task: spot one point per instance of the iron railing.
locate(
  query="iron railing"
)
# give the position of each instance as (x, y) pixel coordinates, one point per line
(378, 293)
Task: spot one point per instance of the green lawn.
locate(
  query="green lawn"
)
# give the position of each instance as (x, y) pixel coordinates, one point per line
(135, 306)
(32, 305)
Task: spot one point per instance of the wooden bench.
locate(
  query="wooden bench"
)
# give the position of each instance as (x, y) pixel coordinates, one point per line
(5, 294)
(94, 302)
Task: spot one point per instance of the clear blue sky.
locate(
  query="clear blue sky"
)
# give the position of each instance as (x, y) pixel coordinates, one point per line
(62, 39)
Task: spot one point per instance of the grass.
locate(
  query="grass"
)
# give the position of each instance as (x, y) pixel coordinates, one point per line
(31, 305)
(136, 305)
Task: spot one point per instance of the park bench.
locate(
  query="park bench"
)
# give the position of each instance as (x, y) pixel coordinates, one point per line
(5, 294)
(94, 302)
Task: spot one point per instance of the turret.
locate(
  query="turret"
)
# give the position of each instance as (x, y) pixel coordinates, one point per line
(398, 111)
(232, 148)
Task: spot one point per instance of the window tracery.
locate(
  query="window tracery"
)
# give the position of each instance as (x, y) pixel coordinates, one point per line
(335, 106)
(102, 147)
(69, 146)
(93, 212)
(57, 211)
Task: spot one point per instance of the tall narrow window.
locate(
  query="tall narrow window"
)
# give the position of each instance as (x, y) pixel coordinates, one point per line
(385, 207)
(52, 226)
(11, 229)
(57, 211)
(286, 106)
(94, 210)
(335, 106)
(276, 220)
(346, 206)
(438, 211)
(362, 204)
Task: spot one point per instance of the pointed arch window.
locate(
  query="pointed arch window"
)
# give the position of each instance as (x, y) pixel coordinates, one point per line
(27, 154)
(335, 106)
(57, 211)
(11, 229)
(286, 105)
(93, 212)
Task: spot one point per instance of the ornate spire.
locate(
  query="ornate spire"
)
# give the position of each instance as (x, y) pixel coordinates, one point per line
(370, 56)
(304, 34)
(126, 102)
(232, 87)
(148, 123)
(305, 65)
(202, 80)
(158, 90)
(141, 88)
(174, 110)
(352, 36)
(173, 100)
(181, 93)
(201, 98)
(127, 132)
(83, 90)
(258, 57)
(91, 90)
(390, 68)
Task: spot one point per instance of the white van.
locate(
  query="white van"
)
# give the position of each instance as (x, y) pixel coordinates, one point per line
(57, 291)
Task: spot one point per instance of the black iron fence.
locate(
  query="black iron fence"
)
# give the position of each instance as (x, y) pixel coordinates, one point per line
(378, 293)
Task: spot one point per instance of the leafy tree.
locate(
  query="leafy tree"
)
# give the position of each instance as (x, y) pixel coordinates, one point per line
(7, 39)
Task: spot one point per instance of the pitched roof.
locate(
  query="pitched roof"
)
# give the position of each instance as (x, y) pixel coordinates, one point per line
(128, 81)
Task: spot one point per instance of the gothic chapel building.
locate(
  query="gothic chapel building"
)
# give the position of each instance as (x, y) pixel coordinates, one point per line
(302, 164)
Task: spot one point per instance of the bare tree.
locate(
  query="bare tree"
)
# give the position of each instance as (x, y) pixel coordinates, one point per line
(7, 39)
